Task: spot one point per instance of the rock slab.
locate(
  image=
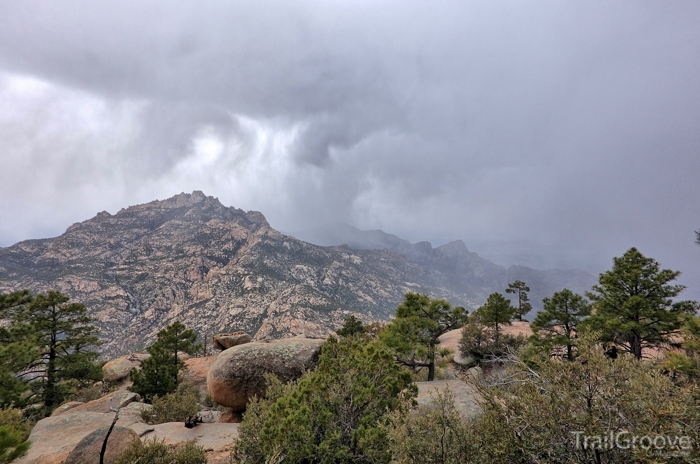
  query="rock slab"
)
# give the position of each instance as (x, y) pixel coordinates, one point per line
(54, 438)
(118, 399)
(214, 436)
(89, 448)
(238, 373)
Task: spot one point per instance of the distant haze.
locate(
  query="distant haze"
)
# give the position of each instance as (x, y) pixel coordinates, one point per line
(562, 133)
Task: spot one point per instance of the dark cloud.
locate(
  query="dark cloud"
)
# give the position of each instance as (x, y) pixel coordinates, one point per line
(569, 128)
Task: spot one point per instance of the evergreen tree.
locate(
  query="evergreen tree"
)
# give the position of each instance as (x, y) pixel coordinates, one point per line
(496, 312)
(159, 373)
(415, 332)
(634, 305)
(520, 289)
(352, 326)
(557, 324)
(16, 349)
(66, 339)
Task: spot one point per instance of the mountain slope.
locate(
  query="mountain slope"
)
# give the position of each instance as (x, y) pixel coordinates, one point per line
(454, 260)
(214, 268)
(217, 269)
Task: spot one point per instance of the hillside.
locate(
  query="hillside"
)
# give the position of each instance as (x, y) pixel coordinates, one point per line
(218, 268)
(454, 259)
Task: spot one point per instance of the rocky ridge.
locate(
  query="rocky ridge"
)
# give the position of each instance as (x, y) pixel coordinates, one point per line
(220, 269)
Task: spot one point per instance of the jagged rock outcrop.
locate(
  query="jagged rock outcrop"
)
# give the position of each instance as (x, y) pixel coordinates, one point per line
(218, 269)
(224, 341)
(238, 374)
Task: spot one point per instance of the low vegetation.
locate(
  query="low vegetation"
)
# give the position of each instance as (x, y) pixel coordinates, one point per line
(14, 432)
(173, 407)
(562, 412)
(157, 452)
(332, 415)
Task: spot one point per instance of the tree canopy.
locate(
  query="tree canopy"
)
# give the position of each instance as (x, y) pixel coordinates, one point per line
(159, 373)
(557, 324)
(352, 326)
(520, 289)
(634, 303)
(49, 341)
(415, 332)
(497, 311)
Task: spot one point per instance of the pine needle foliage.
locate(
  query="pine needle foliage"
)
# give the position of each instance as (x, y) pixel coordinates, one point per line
(558, 324)
(415, 332)
(159, 374)
(634, 304)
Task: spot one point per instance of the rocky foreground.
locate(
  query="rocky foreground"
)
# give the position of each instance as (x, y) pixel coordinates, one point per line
(75, 432)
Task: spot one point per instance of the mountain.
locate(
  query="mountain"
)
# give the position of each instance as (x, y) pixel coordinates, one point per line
(454, 259)
(219, 269)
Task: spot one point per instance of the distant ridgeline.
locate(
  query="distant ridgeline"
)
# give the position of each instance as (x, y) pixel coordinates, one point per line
(219, 269)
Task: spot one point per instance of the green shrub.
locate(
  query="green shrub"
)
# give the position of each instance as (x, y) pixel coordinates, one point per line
(157, 452)
(248, 448)
(532, 416)
(538, 415)
(332, 415)
(14, 431)
(431, 434)
(173, 407)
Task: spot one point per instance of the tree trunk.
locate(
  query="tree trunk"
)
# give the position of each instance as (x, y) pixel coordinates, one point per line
(636, 345)
(431, 370)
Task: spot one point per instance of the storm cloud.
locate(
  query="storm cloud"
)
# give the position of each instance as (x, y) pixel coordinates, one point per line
(570, 129)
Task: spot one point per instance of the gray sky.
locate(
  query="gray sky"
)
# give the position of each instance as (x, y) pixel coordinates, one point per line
(570, 126)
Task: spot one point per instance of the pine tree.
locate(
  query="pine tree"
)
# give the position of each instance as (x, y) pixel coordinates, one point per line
(16, 349)
(520, 289)
(159, 373)
(415, 332)
(496, 312)
(352, 326)
(634, 304)
(65, 337)
(557, 324)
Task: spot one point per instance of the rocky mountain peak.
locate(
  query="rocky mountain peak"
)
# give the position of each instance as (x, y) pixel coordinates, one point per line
(220, 269)
(454, 248)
